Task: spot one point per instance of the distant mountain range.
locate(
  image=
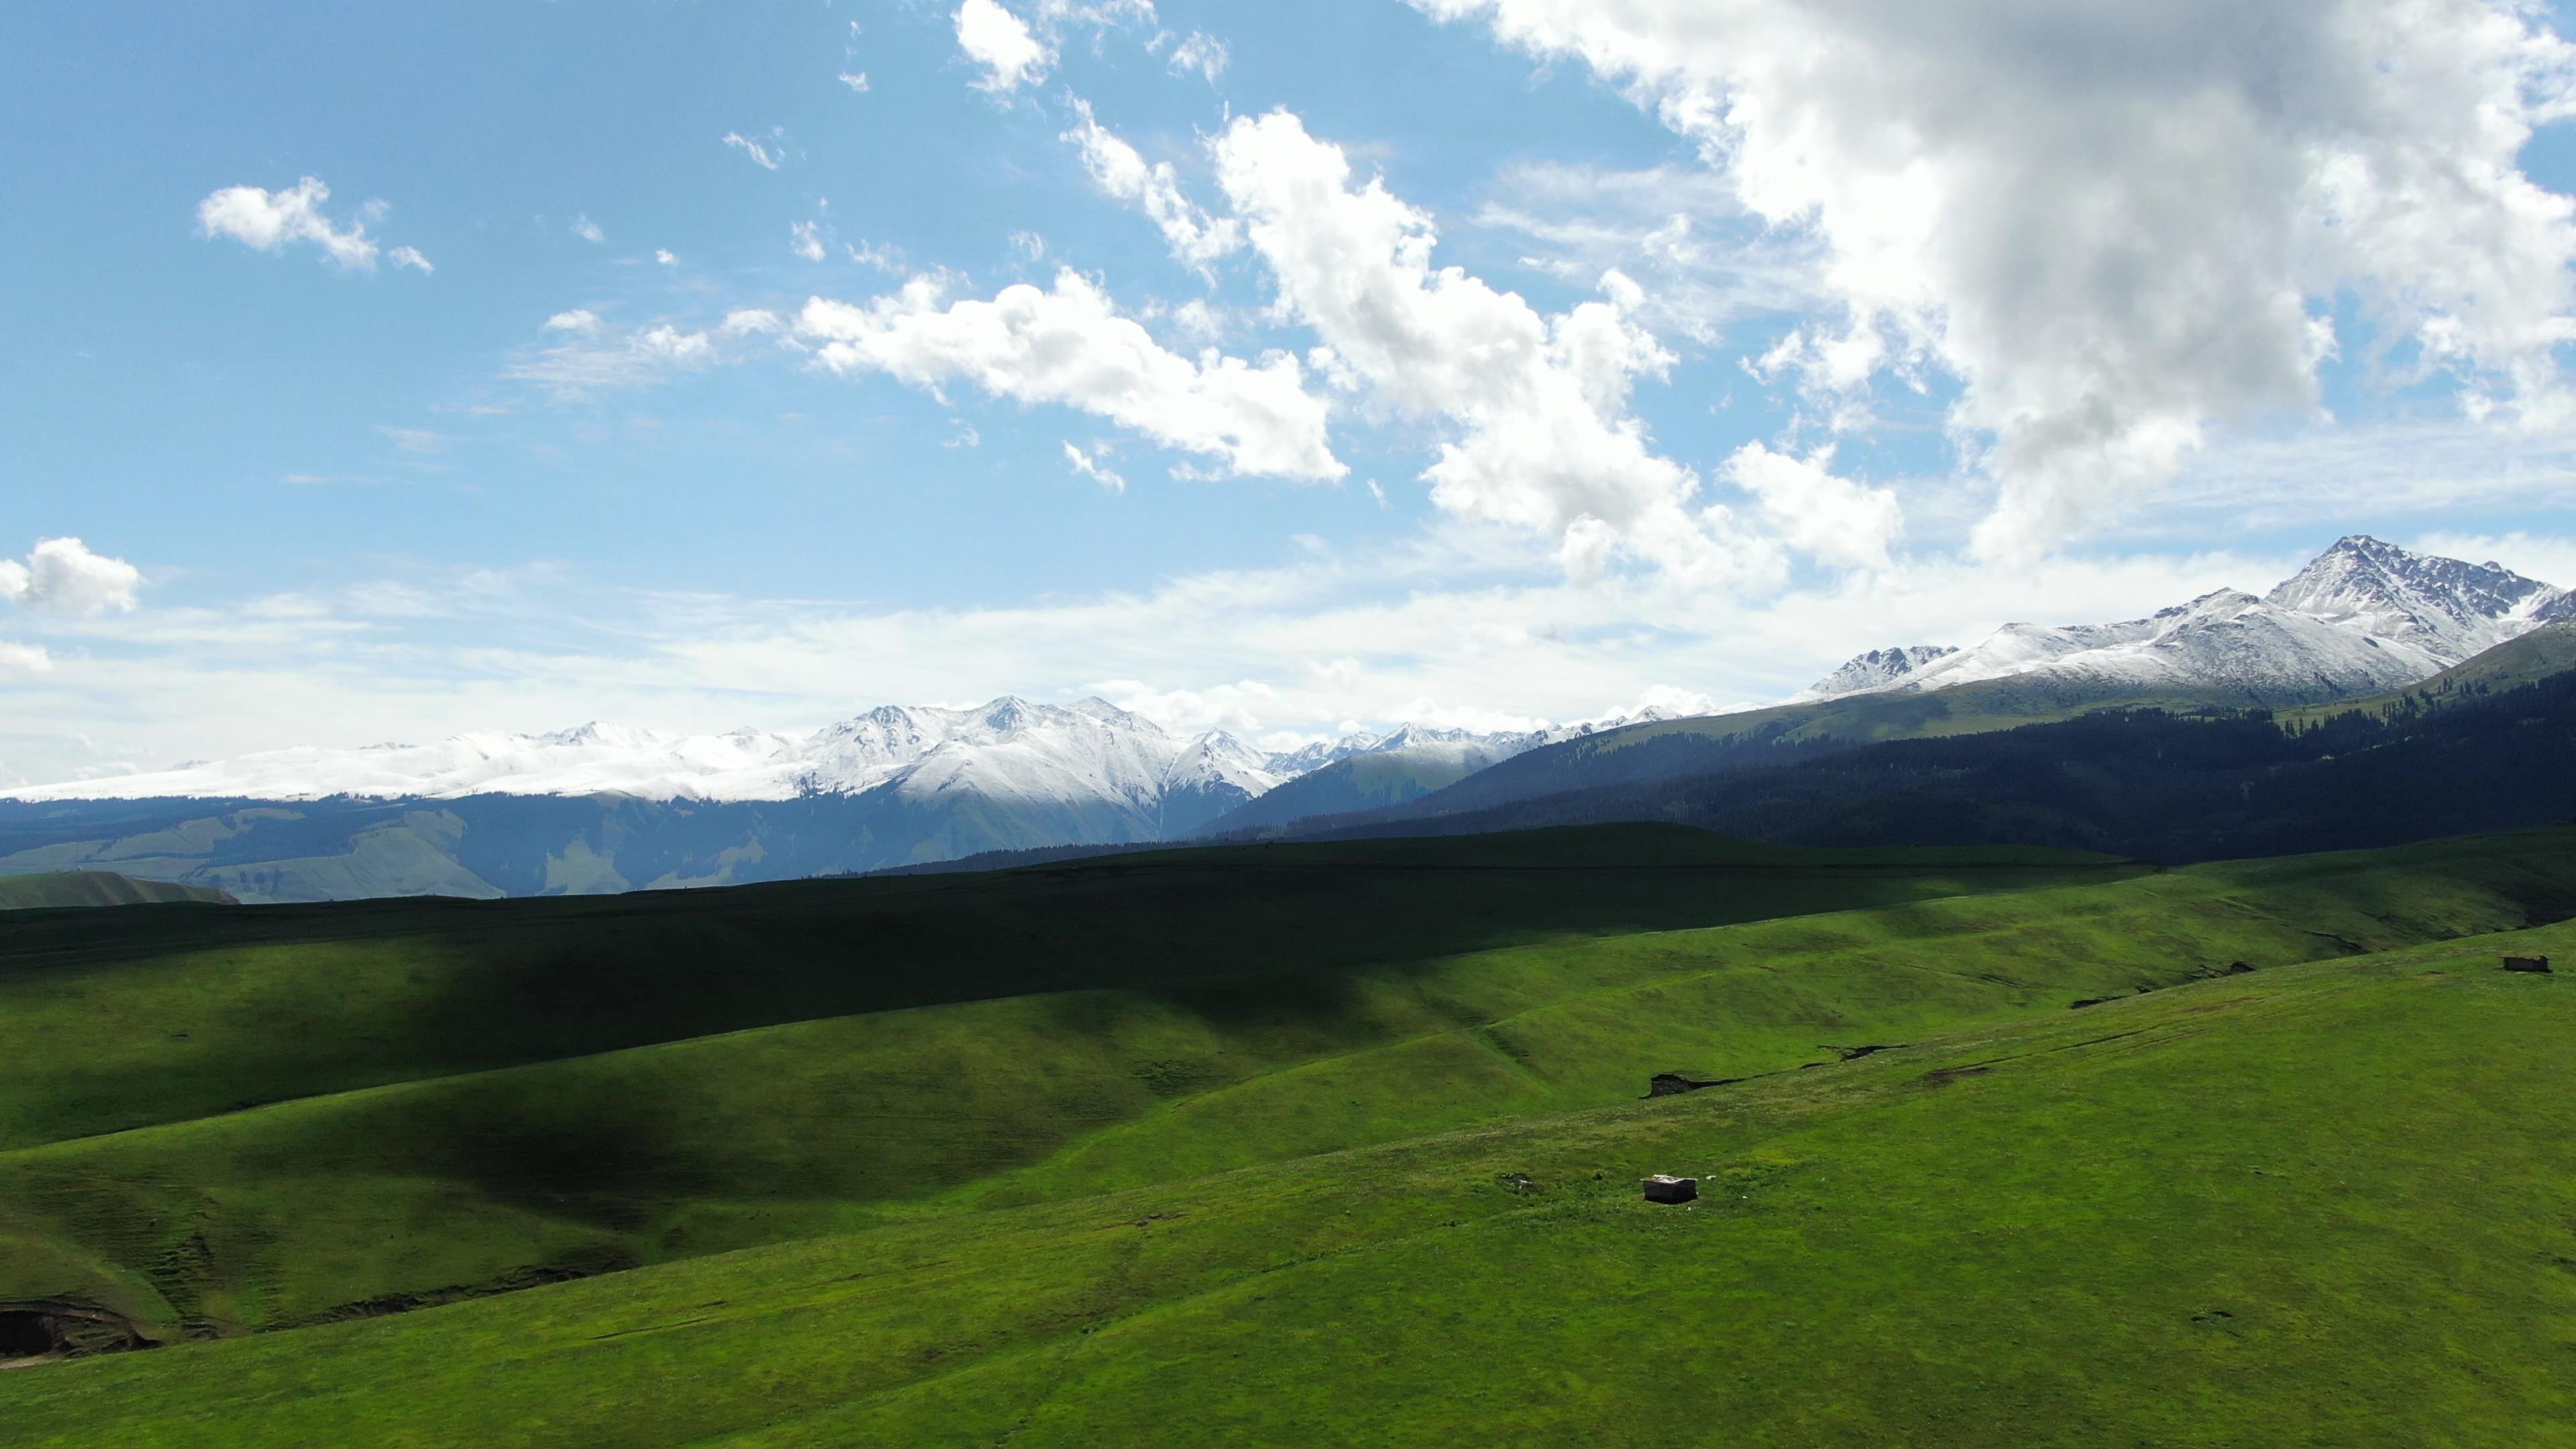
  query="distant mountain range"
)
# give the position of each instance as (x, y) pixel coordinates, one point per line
(602, 807)
(2363, 616)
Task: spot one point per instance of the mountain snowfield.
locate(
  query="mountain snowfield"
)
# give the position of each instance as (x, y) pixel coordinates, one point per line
(2363, 616)
(1009, 750)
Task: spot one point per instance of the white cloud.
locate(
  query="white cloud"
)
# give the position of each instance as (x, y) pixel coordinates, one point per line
(62, 576)
(1068, 345)
(1830, 518)
(1347, 636)
(1668, 699)
(1195, 238)
(1028, 244)
(805, 239)
(1001, 43)
(577, 368)
(1089, 465)
(588, 230)
(409, 257)
(883, 257)
(1546, 440)
(1233, 706)
(856, 80)
(1678, 228)
(762, 155)
(23, 659)
(752, 322)
(579, 319)
(2548, 558)
(416, 440)
(664, 257)
(1203, 53)
(2121, 223)
(268, 220)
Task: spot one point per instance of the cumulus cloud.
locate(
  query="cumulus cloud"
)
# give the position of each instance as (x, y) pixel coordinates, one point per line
(1000, 42)
(579, 319)
(2117, 224)
(1069, 345)
(409, 257)
(1830, 518)
(23, 659)
(1196, 238)
(588, 230)
(856, 80)
(62, 576)
(1545, 439)
(663, 256)
(805, 239)
(269, 220)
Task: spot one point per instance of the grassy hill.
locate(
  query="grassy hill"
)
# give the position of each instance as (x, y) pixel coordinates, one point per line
(2323, 1202)
(265, 1115)
(81, 888)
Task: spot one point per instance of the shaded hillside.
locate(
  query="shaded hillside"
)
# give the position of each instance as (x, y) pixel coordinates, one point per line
(1760, 738)
(1362, 782)
(1673, 750)
(83, 888)
(2134, 782)
(487, 846)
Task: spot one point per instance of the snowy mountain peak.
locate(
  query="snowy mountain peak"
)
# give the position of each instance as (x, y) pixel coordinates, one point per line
(2439, 604)
(1875, 670)
(2362, 616)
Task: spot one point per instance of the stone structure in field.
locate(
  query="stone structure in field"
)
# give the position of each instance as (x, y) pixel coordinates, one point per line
(1660, 1188)
(1673, 1084)
(2537, 964)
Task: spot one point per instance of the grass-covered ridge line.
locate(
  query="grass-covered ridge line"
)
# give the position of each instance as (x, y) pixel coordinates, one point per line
(83, 889)
(341, 1201)
(2320, 1203)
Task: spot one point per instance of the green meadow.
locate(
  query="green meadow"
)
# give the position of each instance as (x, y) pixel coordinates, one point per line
(1320, 1144)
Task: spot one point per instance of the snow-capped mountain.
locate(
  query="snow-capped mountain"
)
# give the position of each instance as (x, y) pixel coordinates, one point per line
(2449, 609)
(2365, 615)
(1008, 748)
(602, 808)
(1876, 670)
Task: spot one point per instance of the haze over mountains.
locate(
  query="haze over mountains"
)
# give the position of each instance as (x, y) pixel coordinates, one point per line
(603, 807)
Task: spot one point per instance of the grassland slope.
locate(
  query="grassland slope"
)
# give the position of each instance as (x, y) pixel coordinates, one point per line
(2326, 1203)
(389, 1195)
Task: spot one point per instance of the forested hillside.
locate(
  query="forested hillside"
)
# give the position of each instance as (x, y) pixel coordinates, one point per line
(2140, 782)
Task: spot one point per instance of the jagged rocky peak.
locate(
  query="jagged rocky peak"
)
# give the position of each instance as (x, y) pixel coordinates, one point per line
(2371, 584)
(1877, 669)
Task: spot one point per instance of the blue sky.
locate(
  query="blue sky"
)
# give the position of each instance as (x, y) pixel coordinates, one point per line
(362, 498)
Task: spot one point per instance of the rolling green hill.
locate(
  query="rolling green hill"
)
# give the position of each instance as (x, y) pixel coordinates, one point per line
(2325, 1202)
(96, 888)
